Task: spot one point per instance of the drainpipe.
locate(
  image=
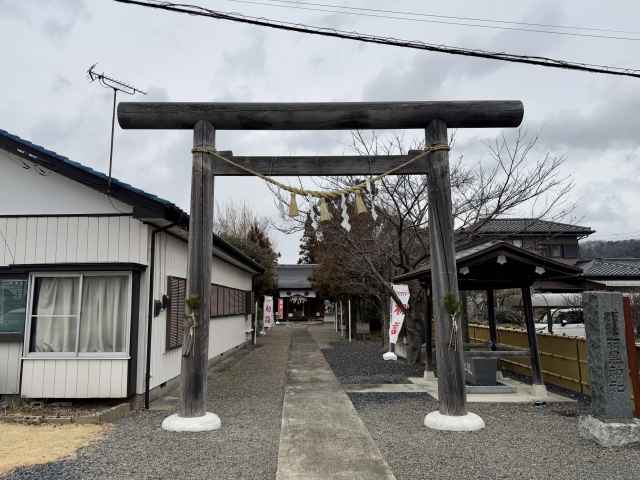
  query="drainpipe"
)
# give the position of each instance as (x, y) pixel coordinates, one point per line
(150, 311)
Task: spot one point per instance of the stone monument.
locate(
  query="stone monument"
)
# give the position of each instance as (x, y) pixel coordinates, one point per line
(611, 422)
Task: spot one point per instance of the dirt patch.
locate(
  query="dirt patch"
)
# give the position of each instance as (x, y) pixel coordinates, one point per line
(34, 444)
(76, 408)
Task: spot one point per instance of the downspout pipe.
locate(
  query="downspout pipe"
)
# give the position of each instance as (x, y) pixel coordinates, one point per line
(150, 310)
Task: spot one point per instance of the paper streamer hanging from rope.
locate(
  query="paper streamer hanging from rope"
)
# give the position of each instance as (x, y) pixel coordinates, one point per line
(325, 213)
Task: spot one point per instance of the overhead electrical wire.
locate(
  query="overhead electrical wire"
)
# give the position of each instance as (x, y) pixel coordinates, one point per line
(383, 40)
(453, 17)
(301, 6)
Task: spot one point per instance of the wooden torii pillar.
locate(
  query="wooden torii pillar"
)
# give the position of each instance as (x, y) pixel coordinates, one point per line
(205, 118)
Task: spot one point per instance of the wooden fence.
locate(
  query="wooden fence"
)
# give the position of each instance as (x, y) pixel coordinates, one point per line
(563, 359)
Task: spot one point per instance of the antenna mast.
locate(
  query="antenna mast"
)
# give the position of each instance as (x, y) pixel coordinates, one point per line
(116, 86)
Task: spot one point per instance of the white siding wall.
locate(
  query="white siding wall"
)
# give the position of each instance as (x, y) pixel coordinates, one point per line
(224, 333)
(29, 192)
(71, 239)
(74, 378)
(226, 274)
(29, 240)
(10, 368)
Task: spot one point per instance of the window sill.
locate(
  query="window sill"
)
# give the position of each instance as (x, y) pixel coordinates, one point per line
(45, 356)
(11, 338)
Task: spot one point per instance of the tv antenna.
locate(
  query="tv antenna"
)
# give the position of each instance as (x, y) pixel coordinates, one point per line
(117, 86)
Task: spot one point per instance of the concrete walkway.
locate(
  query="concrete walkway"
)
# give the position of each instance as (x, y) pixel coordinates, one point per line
(322, 436)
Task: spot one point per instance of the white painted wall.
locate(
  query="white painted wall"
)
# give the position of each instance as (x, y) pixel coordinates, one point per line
(224, 333)
(10, 354)
(29, 192)
(29, 240)
(74, 378)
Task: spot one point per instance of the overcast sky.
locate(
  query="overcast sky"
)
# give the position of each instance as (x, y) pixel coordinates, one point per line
(592, 119)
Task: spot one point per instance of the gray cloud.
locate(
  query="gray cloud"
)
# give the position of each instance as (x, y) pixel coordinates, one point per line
(611, 123)
(56, 19)
(47, 99)
(429, 74)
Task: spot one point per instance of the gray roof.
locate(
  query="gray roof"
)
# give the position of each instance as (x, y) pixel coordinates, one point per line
(295, 276)
(526, 226)
(470, 253)
(611, 267)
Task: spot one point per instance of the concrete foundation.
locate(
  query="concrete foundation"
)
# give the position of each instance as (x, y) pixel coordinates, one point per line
(463, 423)
(175, 423)
(609, 434)
(539, 392)
(389, 356)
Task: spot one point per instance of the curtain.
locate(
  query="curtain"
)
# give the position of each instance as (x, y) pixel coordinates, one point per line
(104, 314)
(55, 296)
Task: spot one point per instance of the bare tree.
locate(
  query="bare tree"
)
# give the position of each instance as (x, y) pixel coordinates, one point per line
(365, 259)
(240, 226)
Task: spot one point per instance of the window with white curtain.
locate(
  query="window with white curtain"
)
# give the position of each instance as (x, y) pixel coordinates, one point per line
(80, 314)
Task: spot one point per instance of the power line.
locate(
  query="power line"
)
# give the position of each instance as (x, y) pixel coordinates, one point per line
(300, 6)
(380, 40)
(453, 17)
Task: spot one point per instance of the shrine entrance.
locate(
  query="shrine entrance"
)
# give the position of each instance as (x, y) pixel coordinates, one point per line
(434, 117)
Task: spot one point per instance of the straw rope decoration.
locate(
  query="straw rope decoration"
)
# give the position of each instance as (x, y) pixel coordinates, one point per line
(325, 214)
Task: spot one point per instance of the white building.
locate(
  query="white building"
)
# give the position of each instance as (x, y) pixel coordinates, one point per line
(77, 262)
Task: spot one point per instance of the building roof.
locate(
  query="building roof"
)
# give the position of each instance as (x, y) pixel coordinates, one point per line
(524, 226)
(145, 205)
(295, 276)
(478, 267)
(611, 268)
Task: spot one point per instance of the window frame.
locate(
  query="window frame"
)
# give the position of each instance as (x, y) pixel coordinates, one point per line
(168, 346)
(125, 355)
(231, 301)
(18, 337)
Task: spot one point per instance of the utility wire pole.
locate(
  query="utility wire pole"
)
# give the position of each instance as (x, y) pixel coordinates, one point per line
(117, 86)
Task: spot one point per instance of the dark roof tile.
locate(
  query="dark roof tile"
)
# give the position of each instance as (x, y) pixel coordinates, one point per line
(611, 267)
(525, 225)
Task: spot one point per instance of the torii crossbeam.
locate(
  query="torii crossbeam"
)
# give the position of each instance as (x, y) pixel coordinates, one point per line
(434, 117)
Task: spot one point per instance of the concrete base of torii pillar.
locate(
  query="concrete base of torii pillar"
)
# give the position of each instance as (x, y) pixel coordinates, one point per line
(450, 423)
(207, 422)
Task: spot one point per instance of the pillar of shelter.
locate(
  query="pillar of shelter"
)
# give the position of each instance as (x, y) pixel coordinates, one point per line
(429, 370)
(464, 316)
(534, 354)
(452, 413)
(491, 318)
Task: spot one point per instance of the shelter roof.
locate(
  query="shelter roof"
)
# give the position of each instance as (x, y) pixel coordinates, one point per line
(498, 264)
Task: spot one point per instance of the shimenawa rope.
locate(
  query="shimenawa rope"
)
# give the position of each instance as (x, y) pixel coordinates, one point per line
(323, 195)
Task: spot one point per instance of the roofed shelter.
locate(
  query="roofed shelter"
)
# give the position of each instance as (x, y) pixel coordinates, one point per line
(491, 266)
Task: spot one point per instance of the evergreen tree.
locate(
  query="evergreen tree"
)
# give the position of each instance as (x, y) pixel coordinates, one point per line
(308, 243)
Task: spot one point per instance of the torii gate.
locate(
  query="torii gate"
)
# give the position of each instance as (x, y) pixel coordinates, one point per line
(435, 117)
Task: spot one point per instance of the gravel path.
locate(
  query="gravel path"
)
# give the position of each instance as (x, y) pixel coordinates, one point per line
(360, 362)
(518, 442)
(248, 397)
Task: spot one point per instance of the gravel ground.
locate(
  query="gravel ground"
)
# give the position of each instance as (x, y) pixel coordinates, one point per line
(360, 362)
(518, 442)
(248, 397)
